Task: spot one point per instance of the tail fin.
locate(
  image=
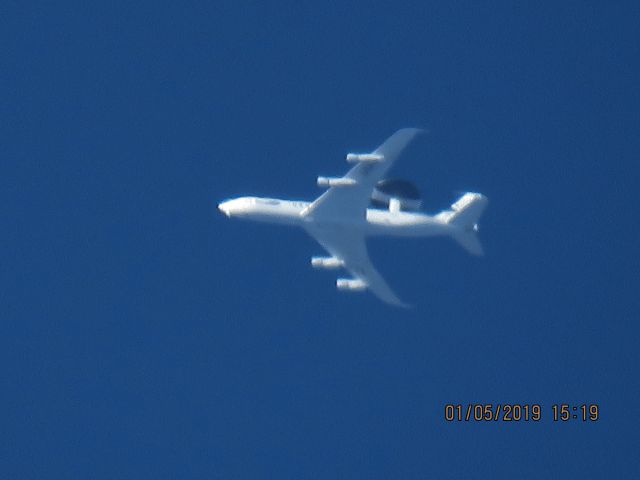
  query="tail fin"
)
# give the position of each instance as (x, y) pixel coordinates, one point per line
(464, 214)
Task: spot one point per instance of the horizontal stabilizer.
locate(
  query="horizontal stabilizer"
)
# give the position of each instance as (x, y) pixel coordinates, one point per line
(469, 241)
(464, 214)
(467, 210)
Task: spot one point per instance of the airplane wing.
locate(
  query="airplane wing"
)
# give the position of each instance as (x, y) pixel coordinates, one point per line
(350, 202)
(350, 247)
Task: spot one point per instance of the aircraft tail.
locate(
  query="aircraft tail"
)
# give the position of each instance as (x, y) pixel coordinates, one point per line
(464, 214)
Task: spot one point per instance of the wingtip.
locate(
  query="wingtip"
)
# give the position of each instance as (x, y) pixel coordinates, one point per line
(417, 130)
(400, 304)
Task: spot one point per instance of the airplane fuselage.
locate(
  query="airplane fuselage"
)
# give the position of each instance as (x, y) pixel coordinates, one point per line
(340, 218)
(376, 221)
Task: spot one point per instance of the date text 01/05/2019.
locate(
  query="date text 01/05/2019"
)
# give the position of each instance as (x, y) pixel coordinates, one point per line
(516, 412)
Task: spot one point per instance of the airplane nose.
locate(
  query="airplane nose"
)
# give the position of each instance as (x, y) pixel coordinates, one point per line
(224, 208)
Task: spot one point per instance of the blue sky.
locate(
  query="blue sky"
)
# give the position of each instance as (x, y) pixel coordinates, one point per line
(144, 335)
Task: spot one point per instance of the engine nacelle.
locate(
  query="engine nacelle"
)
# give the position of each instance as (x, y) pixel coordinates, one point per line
(326, 262)
(364, 157)
(351, 284)
(335, 182)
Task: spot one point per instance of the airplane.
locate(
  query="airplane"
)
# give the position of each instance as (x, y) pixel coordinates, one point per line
(342, 217)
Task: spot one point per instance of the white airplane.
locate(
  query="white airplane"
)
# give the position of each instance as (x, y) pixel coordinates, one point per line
(340, 219)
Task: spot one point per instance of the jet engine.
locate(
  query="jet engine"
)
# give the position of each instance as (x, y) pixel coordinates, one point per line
(335, 182)
(351, 284)
(326, 262)
(405, 192)
(364, 157)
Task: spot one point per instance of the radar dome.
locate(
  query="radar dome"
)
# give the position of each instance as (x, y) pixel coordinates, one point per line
(402, 190)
